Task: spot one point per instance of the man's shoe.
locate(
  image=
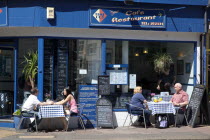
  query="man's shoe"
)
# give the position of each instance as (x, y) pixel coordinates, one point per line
(140, 120)
(149, 124)
(31, 129)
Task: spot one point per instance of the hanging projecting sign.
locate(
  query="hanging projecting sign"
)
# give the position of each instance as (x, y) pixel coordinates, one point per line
(3, 13)
(127, 17)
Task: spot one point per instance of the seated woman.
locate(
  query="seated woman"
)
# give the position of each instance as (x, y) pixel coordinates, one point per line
(69, 99)
(138, 100)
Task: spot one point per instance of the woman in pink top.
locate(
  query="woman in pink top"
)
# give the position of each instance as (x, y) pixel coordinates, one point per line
(68, 98)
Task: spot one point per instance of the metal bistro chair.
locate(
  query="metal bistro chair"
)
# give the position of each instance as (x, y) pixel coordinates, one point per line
(79, 115)
(177, 116)
(30, 115)
(131, 114)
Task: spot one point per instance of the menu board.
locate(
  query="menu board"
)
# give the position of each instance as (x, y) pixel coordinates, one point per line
(104, 113)
(88, 94)
(48, 67)
(194, 104)
(103, 85)
(118, 77)
(62, 65)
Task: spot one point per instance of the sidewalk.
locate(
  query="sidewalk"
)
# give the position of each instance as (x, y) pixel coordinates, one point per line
(121, 133)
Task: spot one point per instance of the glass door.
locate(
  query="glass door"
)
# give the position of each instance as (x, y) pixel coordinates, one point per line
(6, 80)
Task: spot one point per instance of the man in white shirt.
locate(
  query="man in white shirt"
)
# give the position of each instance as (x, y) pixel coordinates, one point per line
(30, 105)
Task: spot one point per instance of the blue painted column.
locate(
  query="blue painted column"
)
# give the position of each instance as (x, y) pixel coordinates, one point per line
(195, 64)
(15, 74)
(40, 67)
(103, 57)
(204, 61)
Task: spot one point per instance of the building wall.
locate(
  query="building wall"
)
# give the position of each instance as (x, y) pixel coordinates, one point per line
(186, 17)
(188, 2)
(68, 14)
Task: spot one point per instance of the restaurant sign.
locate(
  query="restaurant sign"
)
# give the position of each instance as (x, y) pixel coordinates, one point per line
(127, 17)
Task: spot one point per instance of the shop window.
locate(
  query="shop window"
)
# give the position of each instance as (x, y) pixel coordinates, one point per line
(25, 45)
(114, 55)
(92, 48)
(138, 55)
(88, 61)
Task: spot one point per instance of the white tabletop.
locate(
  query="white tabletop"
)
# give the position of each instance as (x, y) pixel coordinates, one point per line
(162, 107)
(51, 111)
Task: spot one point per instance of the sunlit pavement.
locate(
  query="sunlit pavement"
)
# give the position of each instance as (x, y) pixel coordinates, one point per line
(121, 133)
(7, 132)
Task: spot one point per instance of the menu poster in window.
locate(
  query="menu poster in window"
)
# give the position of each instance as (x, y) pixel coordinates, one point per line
(118, 77)
(132, 81)
(103, 85)
(62, 65)
(194, 104)
(48, 67)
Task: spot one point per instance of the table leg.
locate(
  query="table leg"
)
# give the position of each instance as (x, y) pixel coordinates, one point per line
(64, 122)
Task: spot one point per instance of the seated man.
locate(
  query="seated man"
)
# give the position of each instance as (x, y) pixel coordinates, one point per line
(180, 99)
(138, 100)
(30, 104)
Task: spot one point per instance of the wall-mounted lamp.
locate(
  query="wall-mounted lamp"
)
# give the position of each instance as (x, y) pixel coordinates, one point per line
(136, 54)
(128, 2)
(145, 50)
(180, 54)
(0, 51)
(50, 13)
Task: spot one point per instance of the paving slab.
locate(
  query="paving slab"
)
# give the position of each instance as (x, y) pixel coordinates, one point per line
(120, 133)
(7, 132)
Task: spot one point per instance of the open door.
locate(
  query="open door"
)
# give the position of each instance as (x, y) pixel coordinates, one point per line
(6, 80)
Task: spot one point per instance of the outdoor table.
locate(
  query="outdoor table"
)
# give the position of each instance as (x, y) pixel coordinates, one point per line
(162, 107)
(166, 98)
(52, 117)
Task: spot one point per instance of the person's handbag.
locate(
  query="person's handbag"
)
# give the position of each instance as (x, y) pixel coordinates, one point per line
(161, 121)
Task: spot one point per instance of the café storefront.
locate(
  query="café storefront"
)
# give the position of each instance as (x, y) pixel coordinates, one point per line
(98, 38)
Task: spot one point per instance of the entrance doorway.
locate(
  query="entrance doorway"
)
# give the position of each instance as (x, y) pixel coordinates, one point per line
(6, 78)
(70, 62)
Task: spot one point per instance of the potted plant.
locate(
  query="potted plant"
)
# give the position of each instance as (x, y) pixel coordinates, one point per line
(17, 117)
(162, 62)
(30, 67)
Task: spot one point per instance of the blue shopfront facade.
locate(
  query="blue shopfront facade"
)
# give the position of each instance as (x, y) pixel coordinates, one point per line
(83, 37)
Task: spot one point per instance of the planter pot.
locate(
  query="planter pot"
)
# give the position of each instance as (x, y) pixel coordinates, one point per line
(16, 121)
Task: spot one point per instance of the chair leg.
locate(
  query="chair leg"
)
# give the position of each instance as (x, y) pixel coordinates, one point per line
(185, 118)
(145, 125)
(176, 117)
(125, 120)
(35, 123)
(20, 122)
(82, 123)
(131, 122)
